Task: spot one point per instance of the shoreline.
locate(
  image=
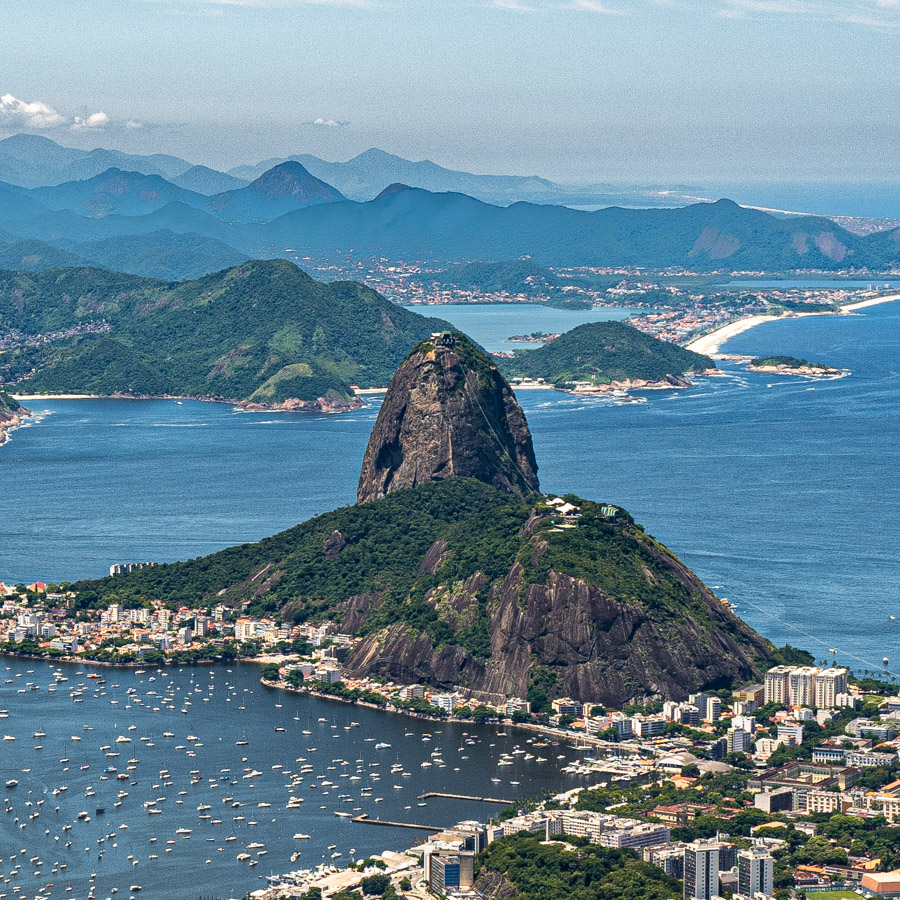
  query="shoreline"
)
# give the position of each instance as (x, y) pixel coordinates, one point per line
(239, 405)
(709, 344)
(533, 727)
(8, 426)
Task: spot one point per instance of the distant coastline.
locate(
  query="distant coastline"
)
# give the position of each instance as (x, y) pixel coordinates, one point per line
(246, 405)
(710, 344)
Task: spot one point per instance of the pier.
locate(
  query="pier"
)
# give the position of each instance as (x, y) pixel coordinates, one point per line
(428, 794)
(363, 819)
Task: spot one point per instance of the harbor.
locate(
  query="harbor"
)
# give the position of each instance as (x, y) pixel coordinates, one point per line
(115, 775)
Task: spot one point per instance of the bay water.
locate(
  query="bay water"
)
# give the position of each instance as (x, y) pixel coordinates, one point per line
(780, 490)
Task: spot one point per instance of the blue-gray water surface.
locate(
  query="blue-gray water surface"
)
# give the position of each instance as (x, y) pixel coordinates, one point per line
(218, 758)
(781, 492)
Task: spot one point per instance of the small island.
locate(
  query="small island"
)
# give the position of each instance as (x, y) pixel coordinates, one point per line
(605, 357)
(791, 365)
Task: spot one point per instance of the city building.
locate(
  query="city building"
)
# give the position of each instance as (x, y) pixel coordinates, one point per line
(756, 872)
(701, 871)
(566, 706)
(776, 685)
(828, 685)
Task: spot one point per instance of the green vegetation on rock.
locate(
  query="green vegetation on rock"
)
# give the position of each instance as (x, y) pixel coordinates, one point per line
(525, 867)
(263, 330)
(8, 405)
(603, 352)
(440, 578)
(786, 362)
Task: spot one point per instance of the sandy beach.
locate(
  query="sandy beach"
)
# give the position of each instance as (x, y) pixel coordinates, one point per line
(23, 397)
(709, 344)
(875, 301)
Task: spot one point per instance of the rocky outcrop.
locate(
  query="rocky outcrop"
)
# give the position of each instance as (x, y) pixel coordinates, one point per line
(600, 648)
(333, 403)
(11, 414)
(448, 411)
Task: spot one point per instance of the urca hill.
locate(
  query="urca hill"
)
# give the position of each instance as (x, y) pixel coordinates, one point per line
(458, 571)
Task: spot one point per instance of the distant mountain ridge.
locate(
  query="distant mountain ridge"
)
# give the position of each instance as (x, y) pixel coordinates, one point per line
(367, 174)
(289, 206)
(263, 332)
(204, 180)
(282, 189)
(32, 160)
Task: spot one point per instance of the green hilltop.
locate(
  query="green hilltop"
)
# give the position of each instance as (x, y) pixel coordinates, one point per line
(451, 576)
(603, 352)
(455, 582)
(263, 331)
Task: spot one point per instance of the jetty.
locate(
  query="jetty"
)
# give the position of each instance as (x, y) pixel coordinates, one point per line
(363, 819)
(429, 794)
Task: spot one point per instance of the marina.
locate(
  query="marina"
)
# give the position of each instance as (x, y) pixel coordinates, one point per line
(187, 796)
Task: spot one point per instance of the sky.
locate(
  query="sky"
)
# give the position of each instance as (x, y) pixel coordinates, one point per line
(639, 91)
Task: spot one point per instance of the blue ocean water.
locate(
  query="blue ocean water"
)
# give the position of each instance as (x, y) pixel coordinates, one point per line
(492, 323)
(74, 763)
(780, 490)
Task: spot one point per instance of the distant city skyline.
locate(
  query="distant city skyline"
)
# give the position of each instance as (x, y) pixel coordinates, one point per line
(618, 90)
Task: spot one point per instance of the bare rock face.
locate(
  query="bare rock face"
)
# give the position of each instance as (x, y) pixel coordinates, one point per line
(448, 411)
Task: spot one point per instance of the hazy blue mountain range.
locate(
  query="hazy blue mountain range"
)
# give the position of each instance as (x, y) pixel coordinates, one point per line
(289, 206)
(207, 181)
(281, 189)
(33, 256)
(160, 254)
(35, 161)
(367, 174)
(116, 191)
(284, 188)
(31, 160)
(416, 224)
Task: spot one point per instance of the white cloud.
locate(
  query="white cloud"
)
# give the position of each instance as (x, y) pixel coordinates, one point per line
(15, 113)
(34, 115)
(131, 124)
(321, 122)
(93, 122)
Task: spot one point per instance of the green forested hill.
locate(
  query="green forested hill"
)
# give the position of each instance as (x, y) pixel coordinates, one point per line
(605, 351)
(263, 330)
(538, 870)
(456, 582)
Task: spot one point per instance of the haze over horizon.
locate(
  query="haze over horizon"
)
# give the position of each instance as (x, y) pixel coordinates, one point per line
(621, 90)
